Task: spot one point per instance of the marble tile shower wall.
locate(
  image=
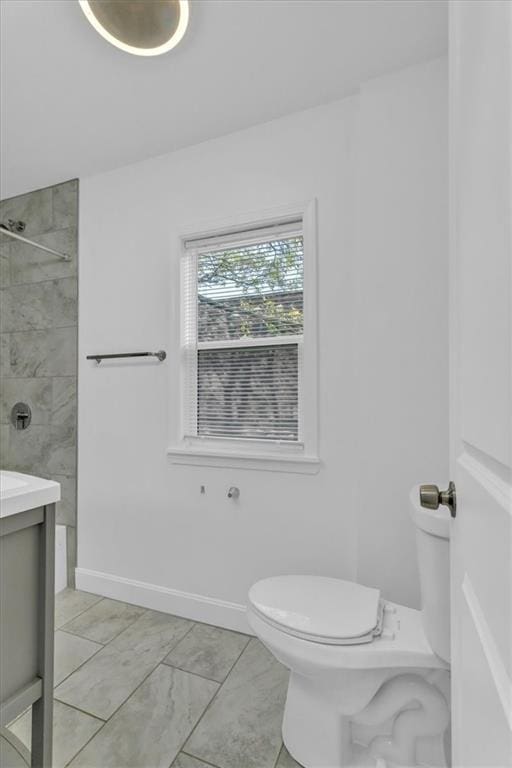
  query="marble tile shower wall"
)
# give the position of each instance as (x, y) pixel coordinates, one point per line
(38, 336)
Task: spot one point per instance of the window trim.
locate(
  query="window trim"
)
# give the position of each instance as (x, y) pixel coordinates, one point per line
(271, 455)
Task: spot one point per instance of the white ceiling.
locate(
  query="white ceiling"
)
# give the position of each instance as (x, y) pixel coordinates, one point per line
(73, 105)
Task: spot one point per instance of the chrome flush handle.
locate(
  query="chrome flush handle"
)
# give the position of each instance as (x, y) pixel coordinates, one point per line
(431, 497)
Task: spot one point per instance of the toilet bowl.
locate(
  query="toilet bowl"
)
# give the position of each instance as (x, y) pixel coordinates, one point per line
(369, 679)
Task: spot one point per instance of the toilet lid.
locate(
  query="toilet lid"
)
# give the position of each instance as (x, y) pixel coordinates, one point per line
(318, 608)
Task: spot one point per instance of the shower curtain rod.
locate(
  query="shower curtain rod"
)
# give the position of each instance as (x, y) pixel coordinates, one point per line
(6, 231)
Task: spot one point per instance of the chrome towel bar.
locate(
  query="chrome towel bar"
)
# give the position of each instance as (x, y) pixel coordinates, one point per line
(161, 355)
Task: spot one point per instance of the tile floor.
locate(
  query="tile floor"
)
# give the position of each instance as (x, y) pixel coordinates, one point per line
(135, 688)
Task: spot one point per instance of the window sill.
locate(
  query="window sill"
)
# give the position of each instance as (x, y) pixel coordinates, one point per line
(294, 464)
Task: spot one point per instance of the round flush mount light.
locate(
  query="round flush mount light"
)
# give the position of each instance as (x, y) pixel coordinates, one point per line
(141, 27)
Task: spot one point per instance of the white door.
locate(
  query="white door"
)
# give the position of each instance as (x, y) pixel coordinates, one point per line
(481, 389)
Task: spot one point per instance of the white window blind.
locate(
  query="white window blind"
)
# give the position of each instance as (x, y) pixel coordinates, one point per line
(242, 334)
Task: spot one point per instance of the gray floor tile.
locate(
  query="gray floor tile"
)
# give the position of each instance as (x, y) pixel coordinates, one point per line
(104, 621)
(208, 651)
(69, 603)
(286, 760)
(243, 725)
(154, 633)
(71, 652)
(131, 739)
(71, 730)
(186, 761)
(13, 754)
(102, 684)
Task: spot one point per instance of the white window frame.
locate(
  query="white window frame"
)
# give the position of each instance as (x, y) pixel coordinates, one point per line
(243, 453)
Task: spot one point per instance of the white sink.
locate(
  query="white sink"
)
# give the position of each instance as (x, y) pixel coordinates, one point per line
(8, 481)
(21, 492)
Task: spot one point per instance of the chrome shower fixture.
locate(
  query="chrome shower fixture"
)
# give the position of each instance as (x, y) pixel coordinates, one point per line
(13, 227)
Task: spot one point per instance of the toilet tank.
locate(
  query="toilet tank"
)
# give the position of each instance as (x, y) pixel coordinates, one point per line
(433, 550)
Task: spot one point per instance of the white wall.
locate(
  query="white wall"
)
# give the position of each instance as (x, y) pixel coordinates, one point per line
(401, 315)
(142, 520)
(141, 517)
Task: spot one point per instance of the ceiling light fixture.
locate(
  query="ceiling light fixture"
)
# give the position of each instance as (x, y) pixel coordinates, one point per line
(141, 27)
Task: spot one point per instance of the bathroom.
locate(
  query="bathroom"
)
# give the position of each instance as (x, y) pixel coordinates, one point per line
(235, 492)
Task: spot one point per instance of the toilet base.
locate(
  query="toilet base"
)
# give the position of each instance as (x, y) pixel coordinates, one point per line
(382, 704)
(381, 718)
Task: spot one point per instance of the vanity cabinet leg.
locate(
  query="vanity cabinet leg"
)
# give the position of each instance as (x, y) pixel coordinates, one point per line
(42, 710)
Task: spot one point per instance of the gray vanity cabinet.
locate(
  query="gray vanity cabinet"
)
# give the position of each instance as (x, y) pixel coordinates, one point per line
(27, 564)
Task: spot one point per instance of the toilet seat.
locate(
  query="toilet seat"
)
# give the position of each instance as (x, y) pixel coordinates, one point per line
(319, 609)
(403, 643)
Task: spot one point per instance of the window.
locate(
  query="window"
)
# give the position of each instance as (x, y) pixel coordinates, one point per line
(243, 335)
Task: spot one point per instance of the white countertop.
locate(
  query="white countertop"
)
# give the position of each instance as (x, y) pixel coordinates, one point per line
(21, 492)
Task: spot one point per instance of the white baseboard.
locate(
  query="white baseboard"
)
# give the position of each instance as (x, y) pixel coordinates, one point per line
(208, 610)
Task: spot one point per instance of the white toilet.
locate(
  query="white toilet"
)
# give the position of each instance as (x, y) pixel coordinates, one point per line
(369, 682)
